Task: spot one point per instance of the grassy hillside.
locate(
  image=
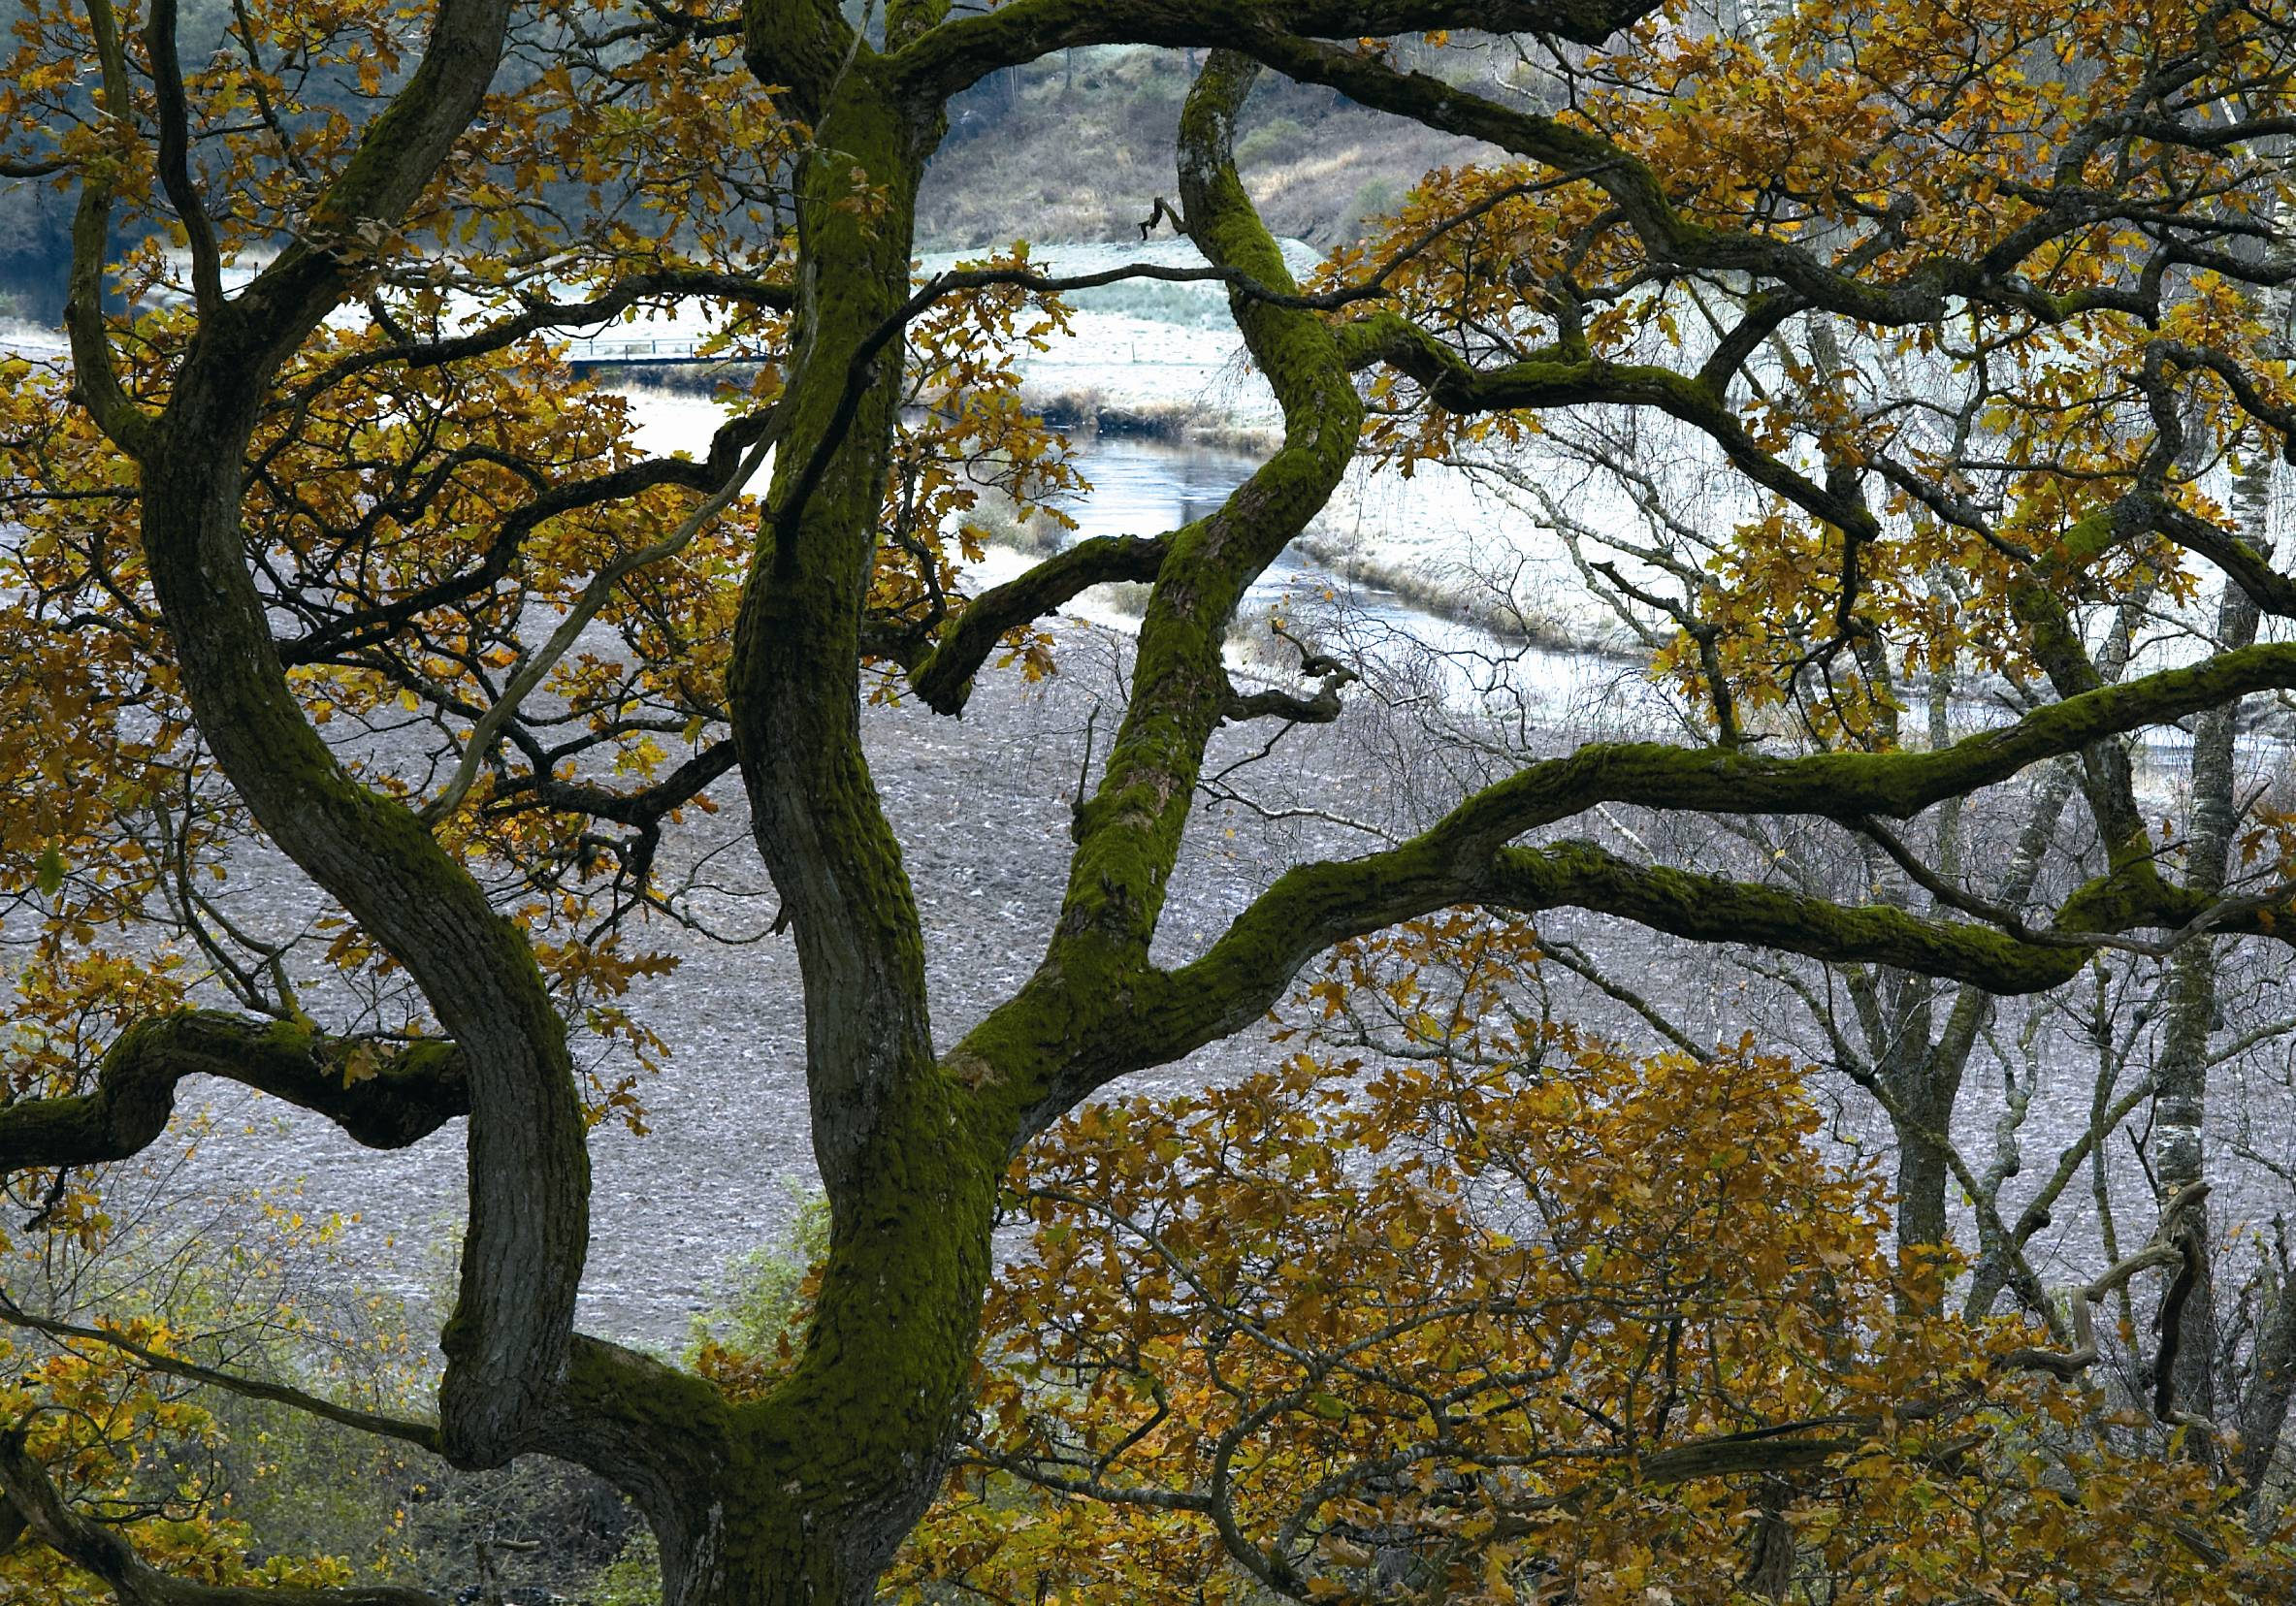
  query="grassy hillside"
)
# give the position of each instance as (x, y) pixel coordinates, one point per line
(1079, 147)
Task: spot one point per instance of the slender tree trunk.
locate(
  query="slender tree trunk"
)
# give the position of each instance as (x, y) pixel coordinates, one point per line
(2181, 1104)
(2272, 1382)
(1924, 1169)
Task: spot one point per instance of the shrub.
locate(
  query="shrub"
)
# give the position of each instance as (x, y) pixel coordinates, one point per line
(1277, 139)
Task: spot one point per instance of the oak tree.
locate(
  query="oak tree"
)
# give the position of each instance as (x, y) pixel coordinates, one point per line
(330, 550)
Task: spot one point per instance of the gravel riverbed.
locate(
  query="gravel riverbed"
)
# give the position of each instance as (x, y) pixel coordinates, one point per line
(981, 805)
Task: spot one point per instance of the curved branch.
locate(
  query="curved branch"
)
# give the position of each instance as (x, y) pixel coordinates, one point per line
(1715, 909)
(2271, 590)
(642, 810)
(1465, 858)
(1370, 287)
(528, 1165)
(532, 668)
(423, 1434)
(958, 54)
(1894, 785)
(351, 631)
(398, 154)
(2168, 1247)
(95, 372)
(174, 157)
(943, 675)
(1567, 376)
(1924, 293)
(387, 1096)
(611, 303)
(1129, 833)
(1274, 702)
(1311, 908)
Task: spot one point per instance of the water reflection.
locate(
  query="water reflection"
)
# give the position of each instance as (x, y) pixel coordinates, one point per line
(1146, 487)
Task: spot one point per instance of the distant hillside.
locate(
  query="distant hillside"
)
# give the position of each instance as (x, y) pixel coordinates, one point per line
(1074, 148)
(1078, 148)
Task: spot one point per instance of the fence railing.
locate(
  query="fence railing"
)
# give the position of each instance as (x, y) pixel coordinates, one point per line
(605, 353)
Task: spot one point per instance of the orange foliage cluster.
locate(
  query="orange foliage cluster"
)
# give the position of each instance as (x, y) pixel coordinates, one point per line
(1552, 1323)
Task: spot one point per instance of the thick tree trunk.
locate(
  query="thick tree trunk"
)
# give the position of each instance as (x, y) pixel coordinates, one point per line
(838, 1463)
(741, 1554)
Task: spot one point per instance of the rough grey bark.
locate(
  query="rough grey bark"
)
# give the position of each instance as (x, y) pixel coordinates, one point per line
(2181, 1106)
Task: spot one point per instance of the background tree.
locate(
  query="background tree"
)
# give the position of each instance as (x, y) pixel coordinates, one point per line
(331, 554)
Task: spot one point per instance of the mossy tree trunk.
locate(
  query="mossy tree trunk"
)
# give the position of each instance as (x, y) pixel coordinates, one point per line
(838, 1464)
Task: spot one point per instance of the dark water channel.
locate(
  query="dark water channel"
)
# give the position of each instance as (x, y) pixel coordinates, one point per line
(1145, 487)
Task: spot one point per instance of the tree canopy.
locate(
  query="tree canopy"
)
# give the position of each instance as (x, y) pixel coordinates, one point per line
(1939, 355)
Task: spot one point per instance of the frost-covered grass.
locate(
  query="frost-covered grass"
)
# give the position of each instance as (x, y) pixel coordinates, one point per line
(29, 340)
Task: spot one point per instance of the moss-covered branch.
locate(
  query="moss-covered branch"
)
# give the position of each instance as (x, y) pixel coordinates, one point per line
(794, 679)
(396, 159)
(384, 1094)
(1315, 905)
(1844, 785)
(1467, 858)
(946, 59)
(943, 675)
(800, 48)
(830, 1469)
(1128, 833)
(2273, 592)
(1714, 908)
